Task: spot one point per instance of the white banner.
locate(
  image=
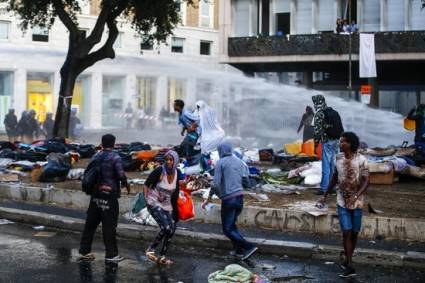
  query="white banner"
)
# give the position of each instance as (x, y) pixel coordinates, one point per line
(367, 56)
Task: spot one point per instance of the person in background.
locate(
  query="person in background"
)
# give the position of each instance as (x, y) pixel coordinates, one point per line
(339, 26)
(418, 115)
(161, 193)
(129, 116)
(354, 27)
(11, 125)
(307, 123)
(162, 115)
(48, 126)
(74, 122)
(190, 125)
(352, 179)
(327, 131)
(29, 126)
(229, 176)
(104, 207)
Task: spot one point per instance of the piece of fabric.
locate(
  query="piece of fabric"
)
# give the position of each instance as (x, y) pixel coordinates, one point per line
(329, 152)
(212, 133)
(350, 174)
(231, 273)
(103, 211)
(230, 210)
(167, 228)
(350, 219)
(319, 119)
(229, 173)
(367, 60)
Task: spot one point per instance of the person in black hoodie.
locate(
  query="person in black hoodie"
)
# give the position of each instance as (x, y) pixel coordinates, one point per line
(161, 194)
(11, 125)
(48, 125)
(104, 203)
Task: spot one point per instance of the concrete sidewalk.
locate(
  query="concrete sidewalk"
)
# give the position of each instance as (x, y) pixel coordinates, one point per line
(56, 218)
(278, 219)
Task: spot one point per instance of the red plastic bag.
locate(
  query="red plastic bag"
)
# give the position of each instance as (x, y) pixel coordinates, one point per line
(185, 206)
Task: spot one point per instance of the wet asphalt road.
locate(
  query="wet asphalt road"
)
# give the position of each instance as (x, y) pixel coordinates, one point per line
(29, 255)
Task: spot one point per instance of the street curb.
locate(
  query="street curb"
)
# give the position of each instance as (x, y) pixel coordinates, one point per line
(278, 219)
(303, 250)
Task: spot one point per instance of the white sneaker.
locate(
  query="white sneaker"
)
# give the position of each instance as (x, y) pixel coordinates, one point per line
(117, 259)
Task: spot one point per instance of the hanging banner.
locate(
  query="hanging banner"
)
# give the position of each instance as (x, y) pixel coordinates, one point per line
(367, 56)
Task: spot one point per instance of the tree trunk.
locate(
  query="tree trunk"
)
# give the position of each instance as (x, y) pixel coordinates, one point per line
(68, 79)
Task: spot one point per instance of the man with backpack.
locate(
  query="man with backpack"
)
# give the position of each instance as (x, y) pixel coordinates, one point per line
(102, 180)
(327, 131)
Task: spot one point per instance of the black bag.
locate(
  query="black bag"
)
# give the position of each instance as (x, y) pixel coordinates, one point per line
(334, 127)
(91, 178)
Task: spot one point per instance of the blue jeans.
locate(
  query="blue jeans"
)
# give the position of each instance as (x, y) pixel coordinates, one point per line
(230, 210)
(350, 219)
(329, 152)
(420, 146)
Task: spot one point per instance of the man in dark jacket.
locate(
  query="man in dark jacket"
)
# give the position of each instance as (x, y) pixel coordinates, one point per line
(11, 125)
(48, 125)
(418, 115)
(104, 203)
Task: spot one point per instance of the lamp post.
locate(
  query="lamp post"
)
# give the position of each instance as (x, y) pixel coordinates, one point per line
(350, 75)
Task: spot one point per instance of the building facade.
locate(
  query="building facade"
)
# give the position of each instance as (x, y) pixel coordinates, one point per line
(30, 62)
(282, 37)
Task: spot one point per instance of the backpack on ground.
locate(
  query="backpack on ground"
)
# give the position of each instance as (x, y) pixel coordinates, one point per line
(91, 177)
(334, 127)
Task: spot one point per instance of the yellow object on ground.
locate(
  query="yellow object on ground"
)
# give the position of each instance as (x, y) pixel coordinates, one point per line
(409, 125)
(293, 148)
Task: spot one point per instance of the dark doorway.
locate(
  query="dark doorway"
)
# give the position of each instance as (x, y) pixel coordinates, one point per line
(283, 26)
(265, 17)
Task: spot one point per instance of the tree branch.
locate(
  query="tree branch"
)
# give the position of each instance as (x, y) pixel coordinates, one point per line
(106, 51)
(96, 35)
(65, 18)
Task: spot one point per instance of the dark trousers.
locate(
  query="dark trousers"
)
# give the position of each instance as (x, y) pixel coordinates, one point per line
(230, 210)
(105, 211)
(167, 226)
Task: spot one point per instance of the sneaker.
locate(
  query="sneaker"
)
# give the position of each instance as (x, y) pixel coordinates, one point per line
(236, 253)
(249, 253)
(89, 256)
(349, 272)
(320, 193)
(117, 258)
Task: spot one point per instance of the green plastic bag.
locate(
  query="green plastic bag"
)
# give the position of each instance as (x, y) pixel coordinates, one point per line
(139, 204)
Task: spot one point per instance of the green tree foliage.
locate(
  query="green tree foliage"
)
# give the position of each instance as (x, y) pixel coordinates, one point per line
(154, 19)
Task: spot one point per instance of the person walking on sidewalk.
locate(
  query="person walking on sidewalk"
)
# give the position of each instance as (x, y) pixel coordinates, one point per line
(228, 178)
(327, 131)
(103, 205)
(352, 177)
(161, 193)
(11, 125)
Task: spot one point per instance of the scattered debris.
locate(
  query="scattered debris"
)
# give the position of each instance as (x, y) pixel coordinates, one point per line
(329, 262)
(259, 197)
(39, 228)
(266, 266)
(45, 234)
(5, 222)
(372, 210)
(9, 178)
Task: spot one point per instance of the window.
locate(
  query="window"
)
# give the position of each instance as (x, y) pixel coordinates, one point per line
(40, 34)
(205, 48)
(205, 13)
(4, 30)
(118, 41)
(147, 43)
(6, 82)
(40, 89)
(177, 45)
(146, 98)
(176, 90)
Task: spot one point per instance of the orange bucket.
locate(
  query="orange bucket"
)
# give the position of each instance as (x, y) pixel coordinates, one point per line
(308, 148)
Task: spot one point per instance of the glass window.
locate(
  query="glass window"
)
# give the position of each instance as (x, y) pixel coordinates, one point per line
(40, 34)
(40, 94)
(418, 16)
(241, 16)
(6, 81)
(112, 102)
(303, 18)
(146, 94)
(4, 29)
(396, 15)
(326, 15)
(118, 41)
(177, 45)
(371, 15)
(146, 44)
(205, 48)
(81, 96)
(176, 90)
(205, 13)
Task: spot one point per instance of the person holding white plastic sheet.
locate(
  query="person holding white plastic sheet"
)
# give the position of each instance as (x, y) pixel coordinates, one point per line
(212, 134)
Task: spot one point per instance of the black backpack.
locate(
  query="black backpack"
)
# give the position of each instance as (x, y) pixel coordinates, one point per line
(333, 124)
(91, 177)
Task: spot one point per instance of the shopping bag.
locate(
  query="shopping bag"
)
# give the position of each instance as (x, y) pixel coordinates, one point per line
(185, 206)
(139, 203)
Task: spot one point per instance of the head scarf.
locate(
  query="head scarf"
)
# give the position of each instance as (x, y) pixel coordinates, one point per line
(319, 102)
(225, 149)
(176, 160)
